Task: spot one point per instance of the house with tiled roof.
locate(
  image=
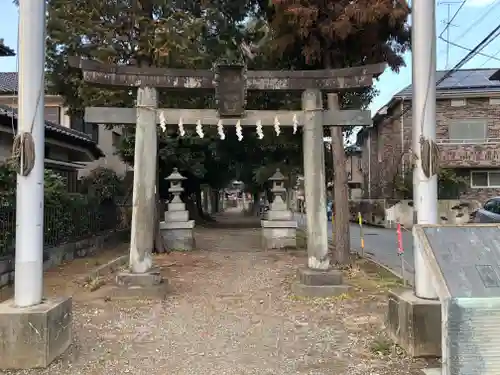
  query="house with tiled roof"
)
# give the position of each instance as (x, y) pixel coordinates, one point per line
(67, 151)
(468, 135)
(56, 114)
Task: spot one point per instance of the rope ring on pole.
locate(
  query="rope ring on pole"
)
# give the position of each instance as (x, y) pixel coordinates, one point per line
(429, 153)
(23, 153)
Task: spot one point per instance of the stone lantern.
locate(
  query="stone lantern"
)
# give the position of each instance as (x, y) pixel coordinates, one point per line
(175, 206)
(279, 191)
(279, 229)
(177, 229)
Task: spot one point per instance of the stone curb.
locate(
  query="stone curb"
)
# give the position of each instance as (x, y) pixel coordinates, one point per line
(104, 269)
(377, 263)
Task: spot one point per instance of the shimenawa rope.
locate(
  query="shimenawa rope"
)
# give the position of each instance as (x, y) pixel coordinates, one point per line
(23, 153)
(23, 147)
(429, 153)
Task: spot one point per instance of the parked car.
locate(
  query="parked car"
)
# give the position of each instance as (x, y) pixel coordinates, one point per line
(489, 213)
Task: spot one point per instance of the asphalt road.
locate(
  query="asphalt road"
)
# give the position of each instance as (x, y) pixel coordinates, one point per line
(381, 245)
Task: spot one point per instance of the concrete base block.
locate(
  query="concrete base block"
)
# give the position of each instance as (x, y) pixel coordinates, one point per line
(308, 276)
(175, 216)
(318, 291)
(284, 215)
(139, 285)
(279, 238)
(179, 239)
(33, 337)
(319, 284)
(414, 323)
(150, 278)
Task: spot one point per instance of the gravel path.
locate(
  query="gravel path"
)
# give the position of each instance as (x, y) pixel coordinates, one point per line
(230, 312)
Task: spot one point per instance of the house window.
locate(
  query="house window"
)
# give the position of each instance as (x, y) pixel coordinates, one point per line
(93, 131)
(53, 114)
(78, 124)
(117, 138)
(485, 179)
(458, 102)
(468, 131)
(70, 177)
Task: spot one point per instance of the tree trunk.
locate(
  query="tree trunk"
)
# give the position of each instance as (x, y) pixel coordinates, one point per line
(216, 201)
(198, 202)
(269, 196)
(342, 250)
(206, 200)
(192, 208)
(255, 204)
(159, 245)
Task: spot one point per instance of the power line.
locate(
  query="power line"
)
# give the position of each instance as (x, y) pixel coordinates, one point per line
(469, 49)
(495, 35)
(447, 28)
(491, 58)
(479, 20)
(452, 18)
(483, 44)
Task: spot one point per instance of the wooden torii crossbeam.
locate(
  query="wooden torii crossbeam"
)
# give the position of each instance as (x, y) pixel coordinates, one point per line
(231, 83)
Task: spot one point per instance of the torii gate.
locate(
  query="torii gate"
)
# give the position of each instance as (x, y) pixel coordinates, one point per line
(230, 83)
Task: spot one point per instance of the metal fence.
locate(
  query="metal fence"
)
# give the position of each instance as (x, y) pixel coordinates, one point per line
(65, 225)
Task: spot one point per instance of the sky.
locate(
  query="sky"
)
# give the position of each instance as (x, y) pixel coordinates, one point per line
(475, 20)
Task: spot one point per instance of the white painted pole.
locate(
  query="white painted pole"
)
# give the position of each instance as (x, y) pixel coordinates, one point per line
(28, 283)
(424, 124)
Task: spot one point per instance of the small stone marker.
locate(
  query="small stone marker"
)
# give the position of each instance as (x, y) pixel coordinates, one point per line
(279, 229)
(465, 262)
(177, 229)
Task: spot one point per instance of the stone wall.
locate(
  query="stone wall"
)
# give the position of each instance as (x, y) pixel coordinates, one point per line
(388, 213)
(69, 251)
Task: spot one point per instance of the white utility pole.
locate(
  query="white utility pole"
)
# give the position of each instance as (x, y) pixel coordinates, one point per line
(29, 204)
(424, 124)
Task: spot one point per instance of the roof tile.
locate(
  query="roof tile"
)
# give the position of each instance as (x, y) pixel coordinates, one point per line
(64, 131)
(8, 82)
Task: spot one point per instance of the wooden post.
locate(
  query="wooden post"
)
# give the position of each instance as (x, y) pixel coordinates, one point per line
(341, 254)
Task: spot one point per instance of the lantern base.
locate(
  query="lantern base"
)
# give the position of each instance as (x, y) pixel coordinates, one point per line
(178, 236)
(279, 234)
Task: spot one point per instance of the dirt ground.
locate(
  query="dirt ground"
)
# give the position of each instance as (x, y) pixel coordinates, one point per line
(229, 312)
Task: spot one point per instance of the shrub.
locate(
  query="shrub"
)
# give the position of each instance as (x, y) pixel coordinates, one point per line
(67, 217)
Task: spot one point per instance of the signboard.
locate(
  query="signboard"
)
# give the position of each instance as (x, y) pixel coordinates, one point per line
(468, 258)
(465, 263)
(473, 156)
(230, 90)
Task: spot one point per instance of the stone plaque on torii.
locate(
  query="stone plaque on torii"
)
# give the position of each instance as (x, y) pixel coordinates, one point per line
(230, 83)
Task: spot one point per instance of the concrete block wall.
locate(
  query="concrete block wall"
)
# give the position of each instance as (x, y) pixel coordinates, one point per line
(66, 252)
